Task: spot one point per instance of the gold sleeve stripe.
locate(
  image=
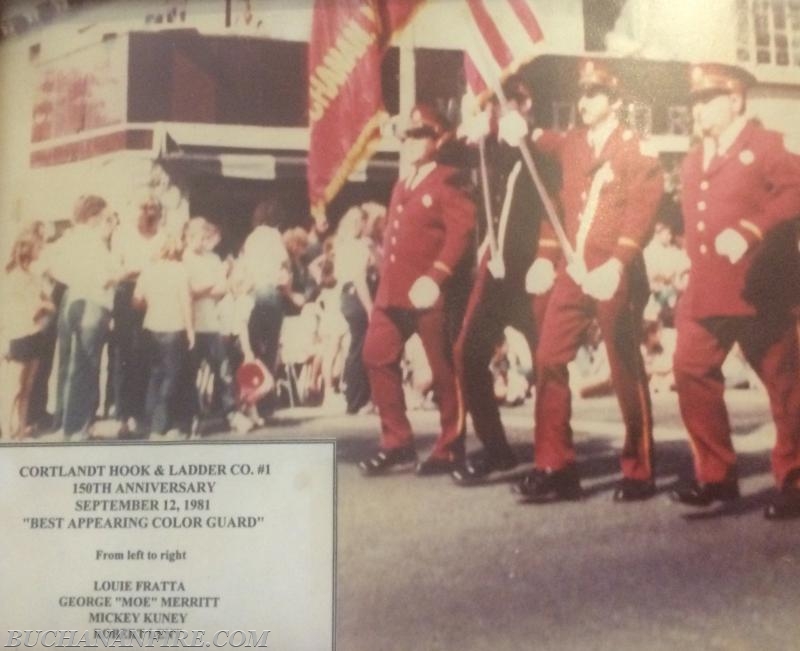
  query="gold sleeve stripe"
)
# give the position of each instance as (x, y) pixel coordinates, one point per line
(441, 266)
(627, 241)
(750, 226)
(553, 244)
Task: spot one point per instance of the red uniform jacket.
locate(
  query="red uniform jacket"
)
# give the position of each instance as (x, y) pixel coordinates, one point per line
(610, 201)
(428, 230)
(753, 188)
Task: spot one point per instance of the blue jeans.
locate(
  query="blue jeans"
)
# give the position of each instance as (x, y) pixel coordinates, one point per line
(265, 325)
(129, 359)
(167, 357)
(188, 405)
(356, 389)
(209, 347)
(82, 333)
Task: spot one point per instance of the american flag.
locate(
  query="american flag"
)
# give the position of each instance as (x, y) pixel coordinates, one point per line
(506, 36)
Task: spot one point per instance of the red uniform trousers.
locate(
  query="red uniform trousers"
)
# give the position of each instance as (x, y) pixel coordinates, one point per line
(769, 342)
(389, 329)
(569, 314)
(493, 304)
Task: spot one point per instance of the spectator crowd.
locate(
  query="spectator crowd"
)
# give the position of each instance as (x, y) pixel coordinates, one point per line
(134, 321)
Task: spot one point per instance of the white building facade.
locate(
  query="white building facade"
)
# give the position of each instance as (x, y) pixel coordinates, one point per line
(203, 101)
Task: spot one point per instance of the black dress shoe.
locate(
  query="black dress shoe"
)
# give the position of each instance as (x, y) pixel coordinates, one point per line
(634, 490)
(384, 460)
(477, 469)
(785, 505)
(697, 494)
(439, 466)
(542, 486)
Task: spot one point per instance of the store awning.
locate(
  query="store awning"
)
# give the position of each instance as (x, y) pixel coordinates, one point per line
(258, 153)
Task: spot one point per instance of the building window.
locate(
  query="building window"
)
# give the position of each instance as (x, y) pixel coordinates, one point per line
(184, 76)
(679, 122)
(599, 18)
(563, 116)
(439, 80)
(768, 32)
(639, 116)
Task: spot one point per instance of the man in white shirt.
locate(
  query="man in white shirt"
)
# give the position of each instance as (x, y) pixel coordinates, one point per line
(266, 263)
(208, 284)
(667, 268)
(136, 246)
(83, 262)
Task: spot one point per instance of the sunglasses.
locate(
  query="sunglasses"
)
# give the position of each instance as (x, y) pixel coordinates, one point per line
(704, 96)
(590, 92)
(419, 133)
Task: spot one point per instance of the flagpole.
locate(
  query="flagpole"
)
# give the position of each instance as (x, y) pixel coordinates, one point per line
(555, 222)
(487, 203)
(525, 151)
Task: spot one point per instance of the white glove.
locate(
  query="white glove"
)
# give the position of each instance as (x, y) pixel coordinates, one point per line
(496, 265)
(602, 282)
(731, 244)
(476, 127)
(577, 271)
(540, 277)
(424, 293)
(512, 128)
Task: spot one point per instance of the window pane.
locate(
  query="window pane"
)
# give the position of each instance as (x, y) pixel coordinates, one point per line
(185, 76)
(779, 14)
(679, 122)
(563, 115)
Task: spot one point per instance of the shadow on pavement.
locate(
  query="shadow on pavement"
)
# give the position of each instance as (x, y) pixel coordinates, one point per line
(352, 449)
(746, 504)
(599, 467)
(287, 421)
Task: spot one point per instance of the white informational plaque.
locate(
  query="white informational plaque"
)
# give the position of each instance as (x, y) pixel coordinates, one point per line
(233, 540)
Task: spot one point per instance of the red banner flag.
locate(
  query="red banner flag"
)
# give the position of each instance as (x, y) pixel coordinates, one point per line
(345, 106)
(506, 35)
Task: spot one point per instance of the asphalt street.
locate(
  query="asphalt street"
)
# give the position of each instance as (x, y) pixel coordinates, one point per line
(425, 564)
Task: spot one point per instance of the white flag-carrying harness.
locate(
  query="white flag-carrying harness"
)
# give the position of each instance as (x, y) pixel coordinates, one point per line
(507, 35)
(601, 177)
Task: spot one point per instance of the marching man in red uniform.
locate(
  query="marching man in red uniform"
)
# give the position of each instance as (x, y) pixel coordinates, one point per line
(741, 193)
(429, 228)
(499, 295)
(611, 187)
